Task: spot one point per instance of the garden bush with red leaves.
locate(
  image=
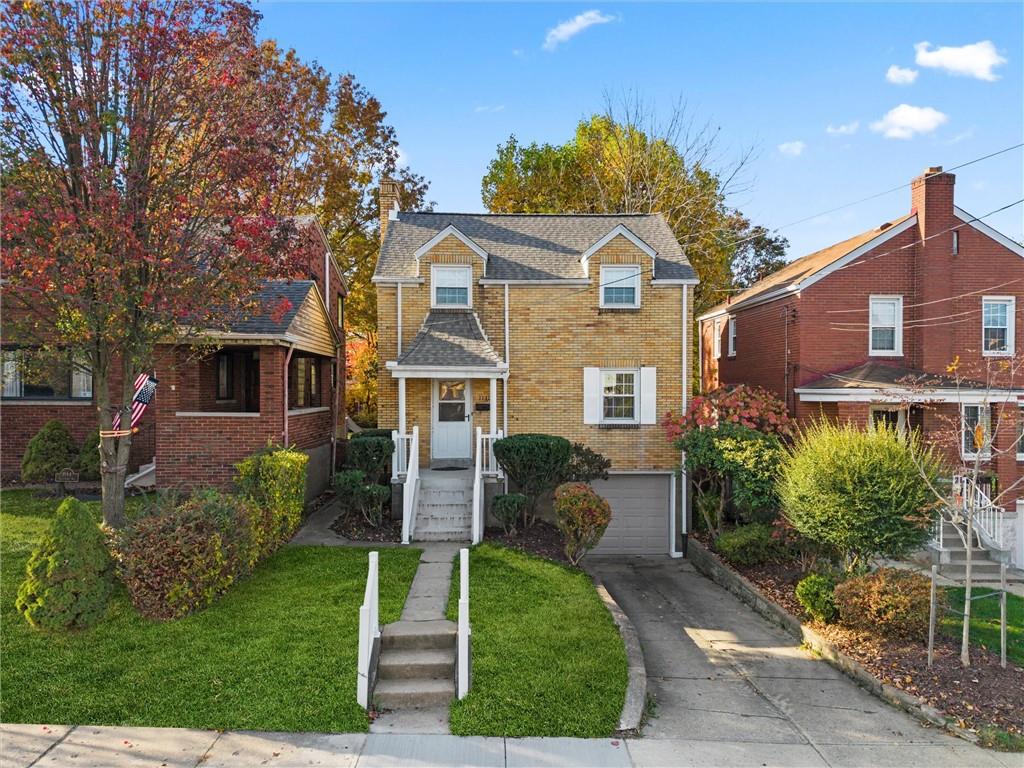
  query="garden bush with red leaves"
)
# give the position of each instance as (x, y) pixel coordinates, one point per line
(752, 407)
(583, 517)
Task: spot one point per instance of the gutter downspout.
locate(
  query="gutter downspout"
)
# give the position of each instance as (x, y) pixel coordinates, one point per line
(399, 312)
(683, 479)
(504, 381)
(287, 362)
(339, 372)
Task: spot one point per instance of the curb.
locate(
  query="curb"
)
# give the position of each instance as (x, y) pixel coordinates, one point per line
(737, 584)
(636, 689)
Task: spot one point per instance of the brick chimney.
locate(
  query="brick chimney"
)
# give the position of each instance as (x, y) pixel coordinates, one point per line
(389, 198)
(931, 196)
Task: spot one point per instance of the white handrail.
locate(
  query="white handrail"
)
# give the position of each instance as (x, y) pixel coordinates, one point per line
(410, 488)
(478, 490)
(988, 518)
(398, 455)
(369, 632)
(462, 664)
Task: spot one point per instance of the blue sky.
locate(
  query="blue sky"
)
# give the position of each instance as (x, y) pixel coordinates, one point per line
(458, 78)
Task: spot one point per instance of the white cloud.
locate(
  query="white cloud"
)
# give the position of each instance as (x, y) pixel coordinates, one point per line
(974, 60)
(901, 75)
(401, 158)
(843, 129)
(905, 121)
(792, 148)
(567, 30)
(487, 108)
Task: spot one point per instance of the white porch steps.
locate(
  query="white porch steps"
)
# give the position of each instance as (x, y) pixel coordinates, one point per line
(144, 478)
(444, 510)
(984, 569)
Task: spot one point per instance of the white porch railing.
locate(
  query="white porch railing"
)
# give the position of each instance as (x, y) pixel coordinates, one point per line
(369, 635)
(988, 518)
(411, 486)
(464, 637)
(484, 465)
(400, 456)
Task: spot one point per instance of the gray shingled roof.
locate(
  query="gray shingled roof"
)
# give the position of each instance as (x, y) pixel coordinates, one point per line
(880, 376)
(267, 317)
(529, 246)
(450, 337)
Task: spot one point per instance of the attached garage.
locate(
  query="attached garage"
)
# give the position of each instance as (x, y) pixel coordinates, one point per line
(640, 514)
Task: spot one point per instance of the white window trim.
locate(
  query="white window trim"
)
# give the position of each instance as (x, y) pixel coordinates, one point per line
(1019, 435)
(435, 269)
(898, 340)
(621, 284)
(731, 330)
(902, 420)
(986, 415)
(716, 339)
(1011, 323)
(636, 395)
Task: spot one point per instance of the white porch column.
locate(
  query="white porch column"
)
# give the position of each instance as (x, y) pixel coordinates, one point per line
(401, 406)
(494, 405)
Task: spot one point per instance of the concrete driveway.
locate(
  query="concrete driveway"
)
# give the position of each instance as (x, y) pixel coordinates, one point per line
(730, 689)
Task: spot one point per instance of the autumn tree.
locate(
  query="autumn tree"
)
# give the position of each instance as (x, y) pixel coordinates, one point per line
(142, 151)
(624, 160)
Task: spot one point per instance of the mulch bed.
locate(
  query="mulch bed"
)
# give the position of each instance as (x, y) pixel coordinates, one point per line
(541, 539)
(983, 694)
(355, 528)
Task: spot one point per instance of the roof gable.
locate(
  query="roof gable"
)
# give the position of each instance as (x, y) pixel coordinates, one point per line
(620, 230)
(450, 231)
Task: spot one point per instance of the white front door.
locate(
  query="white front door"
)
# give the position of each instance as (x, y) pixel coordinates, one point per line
(452, 426)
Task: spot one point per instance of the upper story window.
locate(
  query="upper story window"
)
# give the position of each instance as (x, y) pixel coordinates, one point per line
(341, 311)
(956, 243)
(885, 325)
(716, 338)
(451, 285)
(30, 378)
(619, 393)
(975, 431)
(732, 336)
(620, 286)
(997, 318)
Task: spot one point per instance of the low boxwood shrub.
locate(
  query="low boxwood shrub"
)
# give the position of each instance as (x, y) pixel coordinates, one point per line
(816, 593)
(70, 573)
(748, 545)
(372, 455)
(586, 465)
(889, 601)
(507, 509)
(536, 463)
(583, 516)
(372, 498)
(370, 433)
(49, 451)
(88, 463)
(275, 480)
(347, 485)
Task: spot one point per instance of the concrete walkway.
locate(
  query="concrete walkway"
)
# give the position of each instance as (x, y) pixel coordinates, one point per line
(731, 689)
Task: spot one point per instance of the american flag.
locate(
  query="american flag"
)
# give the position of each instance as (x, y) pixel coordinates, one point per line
(145, 387)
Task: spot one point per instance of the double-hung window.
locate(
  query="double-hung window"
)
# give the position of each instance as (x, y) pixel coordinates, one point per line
(451, 285)
(620, 286)
(619, 394)
(225, 376)
(732, 336)
(975, 431)
(997, 319)
(304, 391)
(716, 339)
(1020, 433)
(885, 325)
(36, 377)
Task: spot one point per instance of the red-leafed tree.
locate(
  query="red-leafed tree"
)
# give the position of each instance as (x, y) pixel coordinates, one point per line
(141, 163)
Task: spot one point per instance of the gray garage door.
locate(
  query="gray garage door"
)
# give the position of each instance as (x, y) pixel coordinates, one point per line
(639, 515)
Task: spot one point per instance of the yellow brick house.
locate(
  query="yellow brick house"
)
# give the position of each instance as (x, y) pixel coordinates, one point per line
(492, 324)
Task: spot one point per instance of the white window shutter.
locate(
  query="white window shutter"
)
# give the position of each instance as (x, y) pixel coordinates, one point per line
(591, 396)
(648, 395)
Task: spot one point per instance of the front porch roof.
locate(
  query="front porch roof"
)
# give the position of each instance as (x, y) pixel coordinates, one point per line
(449, 340)
(882, 382)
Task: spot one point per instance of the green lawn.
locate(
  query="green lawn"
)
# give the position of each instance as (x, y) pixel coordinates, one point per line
(547, 657)
(277, 652)
(985, 621)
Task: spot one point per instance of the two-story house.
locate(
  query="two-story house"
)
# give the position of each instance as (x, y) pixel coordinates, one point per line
(572, 325)
(866, 329)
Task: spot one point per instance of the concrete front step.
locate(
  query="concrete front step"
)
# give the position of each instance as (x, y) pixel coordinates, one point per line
(402, 694)
(406, 635)
(458, 534)
(422, 664)
(987, 571)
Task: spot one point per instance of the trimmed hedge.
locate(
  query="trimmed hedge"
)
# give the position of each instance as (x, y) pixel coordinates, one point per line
(372, 455)
(816, 593)
(368, 433)
(51, 450)
(583, 517)
(535, 462)
(275, 480)
(748, 545)
(69, 576)
(506, 508)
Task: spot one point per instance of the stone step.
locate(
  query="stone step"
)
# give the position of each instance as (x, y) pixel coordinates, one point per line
(443, 521)
(978, 556)
(408, 635)
(426, 663)
(401, 694)
(444, 510)
(987, 570)
(459, 535)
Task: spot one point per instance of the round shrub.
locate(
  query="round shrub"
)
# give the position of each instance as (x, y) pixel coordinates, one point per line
(372, 455)
(347, 485)
(583, 517)
(366, 433)
(372, 499)
(536, 463)
(748, 545)
(586, 465)
(69, 575)
(816, 594)
(51, 450)
(887, 602)
(860, 494)
(506, 508)
(89, 457)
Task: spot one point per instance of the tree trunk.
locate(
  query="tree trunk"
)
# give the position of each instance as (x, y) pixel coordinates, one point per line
(965, 637)
(113, 451)
(112, 484)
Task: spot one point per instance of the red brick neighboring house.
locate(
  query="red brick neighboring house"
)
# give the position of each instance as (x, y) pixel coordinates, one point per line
(840, 332)
(272, 375)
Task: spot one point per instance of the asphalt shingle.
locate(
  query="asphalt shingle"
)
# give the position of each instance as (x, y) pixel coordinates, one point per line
(276, 304)
(450, 338)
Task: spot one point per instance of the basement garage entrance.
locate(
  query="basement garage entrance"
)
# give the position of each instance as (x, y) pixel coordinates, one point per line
(640, 514)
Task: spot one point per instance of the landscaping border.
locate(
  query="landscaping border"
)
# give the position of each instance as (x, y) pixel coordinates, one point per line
(636, 689)
(723, 575)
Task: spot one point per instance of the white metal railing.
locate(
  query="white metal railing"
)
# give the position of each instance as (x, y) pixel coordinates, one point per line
(369, 635)
(488, 462)
(463, 638)
(478, 488)
(988, 518)
(411, 486)
(400, 455)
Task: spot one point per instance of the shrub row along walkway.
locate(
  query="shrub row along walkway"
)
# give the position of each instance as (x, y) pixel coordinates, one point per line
(731, 687)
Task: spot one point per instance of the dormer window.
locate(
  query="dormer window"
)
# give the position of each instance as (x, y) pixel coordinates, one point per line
(620, 287)
(451, 285)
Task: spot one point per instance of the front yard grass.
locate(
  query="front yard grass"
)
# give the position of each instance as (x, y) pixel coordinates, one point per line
(277, 652)
(547, 656)
(985, 621)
